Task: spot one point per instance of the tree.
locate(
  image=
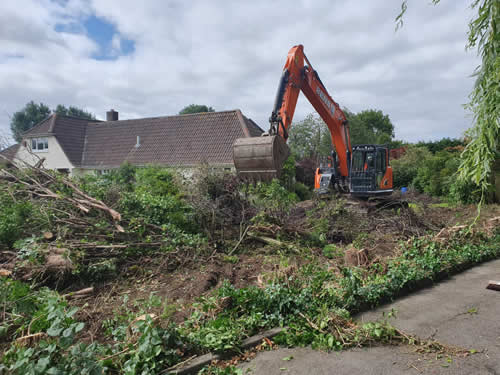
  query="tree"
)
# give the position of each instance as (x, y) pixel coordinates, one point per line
(33, 114)
(195, 108)
(5, 141)
(27, 117)
(442, 144)
(370, 126)
(482, 150)
(74, 112)
(311, 137)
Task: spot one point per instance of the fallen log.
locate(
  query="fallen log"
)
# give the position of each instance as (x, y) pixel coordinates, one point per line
(271, 241)
(31, 340)
(80, 293)
(493, 285)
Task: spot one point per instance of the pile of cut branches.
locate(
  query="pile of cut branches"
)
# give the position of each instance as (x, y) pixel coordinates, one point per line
(73, 220)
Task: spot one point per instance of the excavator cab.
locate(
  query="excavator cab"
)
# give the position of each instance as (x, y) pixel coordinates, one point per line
(370, 173)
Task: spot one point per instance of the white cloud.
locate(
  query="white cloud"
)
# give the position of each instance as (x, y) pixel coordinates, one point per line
(230, 55)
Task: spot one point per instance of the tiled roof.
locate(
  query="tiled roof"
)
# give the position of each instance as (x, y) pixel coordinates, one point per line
(43, 128)
(69, 131)
(173, 140)
(170, 140)
(10, 152)
(254, 129)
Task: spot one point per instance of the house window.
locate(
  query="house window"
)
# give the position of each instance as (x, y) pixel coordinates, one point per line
(39, 144)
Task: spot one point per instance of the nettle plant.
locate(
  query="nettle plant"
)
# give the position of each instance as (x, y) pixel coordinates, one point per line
(56, 352)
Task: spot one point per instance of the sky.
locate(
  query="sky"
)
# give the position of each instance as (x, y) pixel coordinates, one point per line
(154, 57)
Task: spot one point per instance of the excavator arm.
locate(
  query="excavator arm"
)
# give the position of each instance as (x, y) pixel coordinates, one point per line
(262, 158)
(299, 75)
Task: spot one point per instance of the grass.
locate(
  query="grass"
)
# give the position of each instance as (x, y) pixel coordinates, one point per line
(440, 205)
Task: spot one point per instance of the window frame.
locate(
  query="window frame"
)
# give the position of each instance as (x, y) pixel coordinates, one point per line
(381, 163)
(43, 141)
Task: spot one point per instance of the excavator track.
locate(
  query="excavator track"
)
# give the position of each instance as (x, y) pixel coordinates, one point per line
(260, 158)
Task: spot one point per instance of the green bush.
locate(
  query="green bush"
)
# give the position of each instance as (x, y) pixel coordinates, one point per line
(435, 174)
(157, 349)
(125, 175)
(158, 210)
(464, 191)
(442, 144)
(287, 177)
(151, 193)
(303, 192)
(13, 219)
(57, 353)
(287, 180)
(331, 251)
(97, 187)
(405, 169)
(272, 199)
(156, 180)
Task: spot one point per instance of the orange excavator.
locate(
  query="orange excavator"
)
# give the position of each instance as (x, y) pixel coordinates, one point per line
(362, 170)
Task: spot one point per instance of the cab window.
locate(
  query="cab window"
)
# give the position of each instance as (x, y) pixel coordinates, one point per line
(381, 161)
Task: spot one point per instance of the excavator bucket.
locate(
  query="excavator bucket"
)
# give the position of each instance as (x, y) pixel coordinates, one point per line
(260, 158)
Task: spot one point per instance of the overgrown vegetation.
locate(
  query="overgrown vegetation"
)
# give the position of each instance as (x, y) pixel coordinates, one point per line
(106, 230)
(315, 304)
(434, 173)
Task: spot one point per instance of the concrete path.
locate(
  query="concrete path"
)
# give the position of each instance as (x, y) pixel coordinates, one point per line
(458, 312)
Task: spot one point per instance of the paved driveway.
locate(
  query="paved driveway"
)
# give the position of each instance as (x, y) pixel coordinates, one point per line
(459, 312)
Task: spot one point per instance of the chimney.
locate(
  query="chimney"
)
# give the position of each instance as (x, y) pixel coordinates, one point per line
(112, 115)
(138, 143)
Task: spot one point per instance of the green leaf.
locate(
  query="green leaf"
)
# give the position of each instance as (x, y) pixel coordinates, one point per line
(42, 364)
(67, 332)
(54, 331)
(330, 341)
(72, 311)
(79, 326)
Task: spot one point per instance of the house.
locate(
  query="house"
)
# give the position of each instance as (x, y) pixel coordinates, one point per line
(77, 146)
(397, 153)
(9, 153)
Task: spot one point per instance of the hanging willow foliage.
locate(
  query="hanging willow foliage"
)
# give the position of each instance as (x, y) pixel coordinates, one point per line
(482, 149)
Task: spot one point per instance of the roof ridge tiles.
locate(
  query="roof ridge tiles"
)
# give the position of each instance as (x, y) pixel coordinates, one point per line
(92, 122)
(26, 132)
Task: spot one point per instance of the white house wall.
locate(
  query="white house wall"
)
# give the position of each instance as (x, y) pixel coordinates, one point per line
(55, 158)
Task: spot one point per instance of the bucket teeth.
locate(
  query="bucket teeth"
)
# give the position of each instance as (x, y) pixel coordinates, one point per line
(260, 158)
